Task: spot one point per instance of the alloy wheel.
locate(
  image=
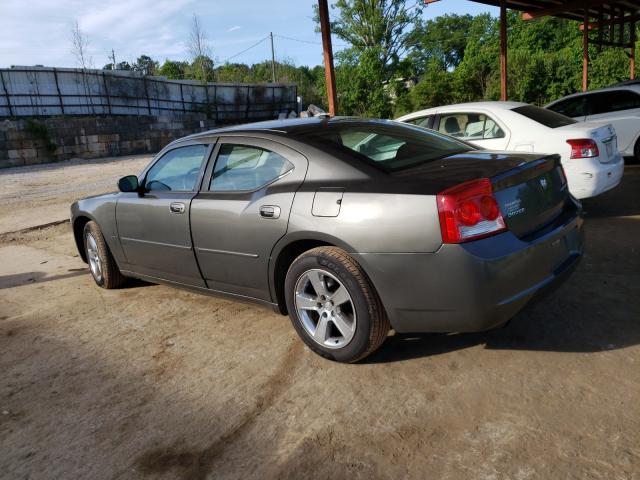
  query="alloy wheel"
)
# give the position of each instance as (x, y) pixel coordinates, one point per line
(325, 308)
(95, 264)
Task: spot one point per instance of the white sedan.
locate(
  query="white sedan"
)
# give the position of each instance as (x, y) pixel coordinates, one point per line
(618, 105)
(588, 150)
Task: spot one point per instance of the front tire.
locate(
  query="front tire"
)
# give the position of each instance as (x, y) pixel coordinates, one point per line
(636, 151)
(102, 265)
(333, 305)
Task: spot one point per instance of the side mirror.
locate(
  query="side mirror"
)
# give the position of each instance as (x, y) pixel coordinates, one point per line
(128, 184)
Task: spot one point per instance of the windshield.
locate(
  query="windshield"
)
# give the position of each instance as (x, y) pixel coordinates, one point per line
(389, 146)
(548, 118)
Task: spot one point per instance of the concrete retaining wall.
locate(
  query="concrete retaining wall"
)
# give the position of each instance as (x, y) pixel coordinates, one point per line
(45, 91)
(32, 141)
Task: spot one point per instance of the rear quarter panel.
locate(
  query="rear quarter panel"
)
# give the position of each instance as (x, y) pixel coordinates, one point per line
(372, 222)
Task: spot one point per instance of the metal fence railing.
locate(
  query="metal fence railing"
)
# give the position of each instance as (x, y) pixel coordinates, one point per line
(44, 91)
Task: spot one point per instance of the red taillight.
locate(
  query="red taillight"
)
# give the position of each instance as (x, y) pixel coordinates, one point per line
(583, 148)
(469, 211)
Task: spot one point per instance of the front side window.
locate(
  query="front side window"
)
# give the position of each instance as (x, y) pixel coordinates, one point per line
(470, 126)
(390, 146)
(242, 167)
(614, 101)
(176, 170)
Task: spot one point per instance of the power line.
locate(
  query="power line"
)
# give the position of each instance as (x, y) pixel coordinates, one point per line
(245, 50)
(305, 41)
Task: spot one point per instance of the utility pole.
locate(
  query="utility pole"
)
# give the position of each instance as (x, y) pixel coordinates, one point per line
(273, 60)
(113, 59)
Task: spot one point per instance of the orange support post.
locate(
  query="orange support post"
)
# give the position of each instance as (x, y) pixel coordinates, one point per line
(585, 51)
(503, 50)
(329, 74)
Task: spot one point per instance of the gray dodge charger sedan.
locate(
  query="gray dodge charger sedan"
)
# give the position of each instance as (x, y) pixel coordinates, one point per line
(350, 226)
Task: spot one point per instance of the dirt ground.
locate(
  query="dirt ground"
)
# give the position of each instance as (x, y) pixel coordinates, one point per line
(152, 382)
(40, 194)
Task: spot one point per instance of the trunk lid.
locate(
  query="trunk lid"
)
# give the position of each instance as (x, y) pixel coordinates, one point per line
(531, 189)
(603, 133)
(532, 195)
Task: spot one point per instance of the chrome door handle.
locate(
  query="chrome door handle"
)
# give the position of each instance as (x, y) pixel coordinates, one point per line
(177, 207)
(270, 211)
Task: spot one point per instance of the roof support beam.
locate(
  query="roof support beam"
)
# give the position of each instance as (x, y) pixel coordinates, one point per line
(557, 9)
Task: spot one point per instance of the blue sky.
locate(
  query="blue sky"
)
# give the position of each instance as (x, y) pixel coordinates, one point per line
(37, 31)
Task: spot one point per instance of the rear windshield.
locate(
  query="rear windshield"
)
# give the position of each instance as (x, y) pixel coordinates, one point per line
(546, 117)
(390, 146)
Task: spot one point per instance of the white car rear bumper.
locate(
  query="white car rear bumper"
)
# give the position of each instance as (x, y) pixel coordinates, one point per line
(587, 177)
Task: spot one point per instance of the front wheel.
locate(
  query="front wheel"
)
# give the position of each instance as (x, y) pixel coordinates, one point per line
(333, 305)
(102, 265)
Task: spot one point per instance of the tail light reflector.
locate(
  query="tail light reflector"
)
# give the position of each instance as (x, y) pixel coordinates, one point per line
(469, 211)
(583, 148)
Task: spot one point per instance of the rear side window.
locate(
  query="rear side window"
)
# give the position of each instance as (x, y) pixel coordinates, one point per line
(613, 101)
(242, 167)
(389, 145)
(470, 126)
(546, 117)
(425, 122)
(571, 107)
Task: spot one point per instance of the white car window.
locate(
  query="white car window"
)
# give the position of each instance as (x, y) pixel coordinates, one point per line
(571, 107)
(613, 101)
(469, 126)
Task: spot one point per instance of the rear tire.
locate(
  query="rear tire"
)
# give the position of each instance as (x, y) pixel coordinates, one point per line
(102, 265)
(333, 306)
(636, 151)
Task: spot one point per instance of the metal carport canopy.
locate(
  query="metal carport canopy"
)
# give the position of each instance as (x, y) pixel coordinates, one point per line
(608, 19)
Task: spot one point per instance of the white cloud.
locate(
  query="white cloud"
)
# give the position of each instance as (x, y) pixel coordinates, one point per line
(234, 28)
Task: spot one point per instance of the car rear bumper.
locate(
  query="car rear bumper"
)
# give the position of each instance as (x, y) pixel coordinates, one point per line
(588, 177)
(472, 286)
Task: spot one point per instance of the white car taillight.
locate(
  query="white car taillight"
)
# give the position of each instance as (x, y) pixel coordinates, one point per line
(583, 148)
(469, 211)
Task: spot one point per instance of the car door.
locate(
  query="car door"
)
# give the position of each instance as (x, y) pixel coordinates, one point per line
(621, 108)
(479, 128)
(242, 210)
(153, 226)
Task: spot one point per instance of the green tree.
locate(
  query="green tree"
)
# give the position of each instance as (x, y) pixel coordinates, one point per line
(201, 69)
(173, 70)
(146, 65)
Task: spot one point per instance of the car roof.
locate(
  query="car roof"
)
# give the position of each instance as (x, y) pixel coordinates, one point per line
(284, 127)
(483, 105)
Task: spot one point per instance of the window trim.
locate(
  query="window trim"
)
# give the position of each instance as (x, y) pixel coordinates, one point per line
(209, 147)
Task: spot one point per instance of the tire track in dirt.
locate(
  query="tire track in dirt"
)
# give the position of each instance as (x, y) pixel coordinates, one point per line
(197, 464)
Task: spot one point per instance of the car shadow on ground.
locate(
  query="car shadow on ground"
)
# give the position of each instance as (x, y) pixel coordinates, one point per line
(529, 330)
(28, 278)
(621, 201)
